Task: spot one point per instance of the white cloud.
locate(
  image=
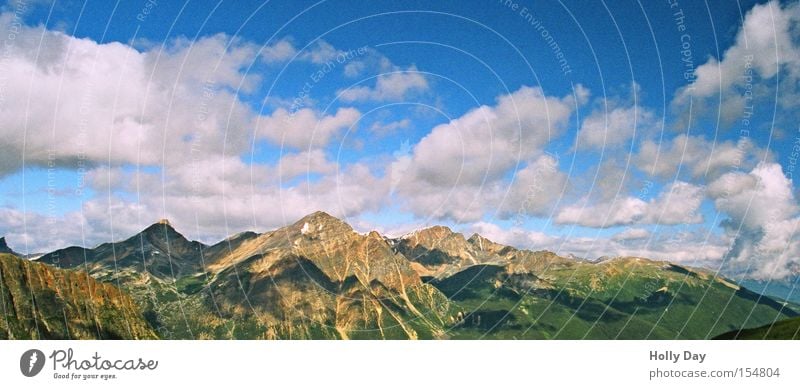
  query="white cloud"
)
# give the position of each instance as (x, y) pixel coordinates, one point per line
(112, 104)
(614, 127)
(381, 128)
(765, 45)
(354, 68)
(676, 204)
(304, 128)
(306, 162)
(622, 211)
(534, 190)
(457, 170)
(689, 247)
(515, 236)
(489, 140)
(631, 234)
(697, 157)
(371, 62)
(762, 219)
(320, 52)
(279, 51)
(391, 86)
(109, 103)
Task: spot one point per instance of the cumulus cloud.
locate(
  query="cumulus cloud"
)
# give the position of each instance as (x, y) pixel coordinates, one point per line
(110, 103)
(488, 140)
(381, 128)
(32, 232)
(391, 86)
(370, 62)
(631, 234)
(762, 219)
(533, 191)
(765, 45)
(697, 157)
(279, 51)
(305, 162)
(305, 128)
(691, 247)
(676, 204)
(623, 211)
(612, 128)
(457, 170)
(514, 236)
(318, 52)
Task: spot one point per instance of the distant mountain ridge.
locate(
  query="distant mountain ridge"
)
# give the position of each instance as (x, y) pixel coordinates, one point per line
(787, 289)
(317, 278)
(782, 330)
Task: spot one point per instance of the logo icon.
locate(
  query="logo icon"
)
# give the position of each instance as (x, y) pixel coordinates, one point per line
(31, 362)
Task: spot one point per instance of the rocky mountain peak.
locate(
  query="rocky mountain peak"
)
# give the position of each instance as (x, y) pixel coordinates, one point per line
(434, 231)
(320, 223)
(4, 247)
(478, 239)
(438, 248)
(320, 216)
(163, 235)
(434, 236)
(483, 244)
(162, 226)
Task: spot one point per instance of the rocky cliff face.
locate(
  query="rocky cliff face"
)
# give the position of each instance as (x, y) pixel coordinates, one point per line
(319, 278)
(42, 302)
(439, 251)
(442, 252)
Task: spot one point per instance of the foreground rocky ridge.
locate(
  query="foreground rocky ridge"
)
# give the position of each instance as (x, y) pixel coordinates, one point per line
(320, 279)
(42, 302)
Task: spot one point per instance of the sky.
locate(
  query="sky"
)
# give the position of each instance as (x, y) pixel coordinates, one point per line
(664, 129)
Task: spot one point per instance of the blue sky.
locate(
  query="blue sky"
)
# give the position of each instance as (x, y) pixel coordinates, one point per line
(609, 128)
(618, 38)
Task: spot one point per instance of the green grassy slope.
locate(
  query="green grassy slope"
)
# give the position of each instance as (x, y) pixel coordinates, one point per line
(619, 299)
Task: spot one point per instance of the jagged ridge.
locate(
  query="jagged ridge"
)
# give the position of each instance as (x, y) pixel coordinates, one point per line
(41, 302)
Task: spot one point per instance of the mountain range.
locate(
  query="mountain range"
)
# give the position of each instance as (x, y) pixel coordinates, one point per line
(319, 279)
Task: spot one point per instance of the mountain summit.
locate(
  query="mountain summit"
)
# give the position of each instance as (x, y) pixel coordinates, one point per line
(158, 249)
(4, 249)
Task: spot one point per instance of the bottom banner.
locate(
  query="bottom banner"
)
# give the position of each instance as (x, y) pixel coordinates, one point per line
(354, 364)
